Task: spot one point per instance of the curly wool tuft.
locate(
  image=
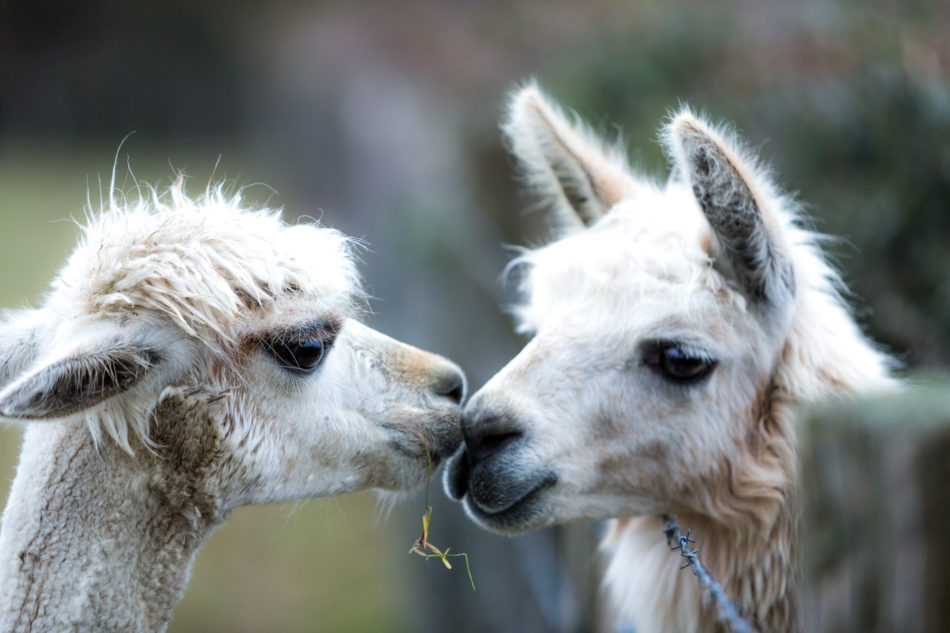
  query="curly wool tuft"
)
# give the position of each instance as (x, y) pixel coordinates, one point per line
(201, 262)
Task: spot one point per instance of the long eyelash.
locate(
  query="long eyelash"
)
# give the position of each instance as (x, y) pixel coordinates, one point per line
(324, 331)
(655, 348)
(695, 352)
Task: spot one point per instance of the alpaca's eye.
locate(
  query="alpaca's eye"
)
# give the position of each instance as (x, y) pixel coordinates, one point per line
(300, 357)
(683, 365)
(678, 363)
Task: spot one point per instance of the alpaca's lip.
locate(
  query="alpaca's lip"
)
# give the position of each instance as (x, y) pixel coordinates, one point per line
(455, 479)
(516, 514)
(439, 442)
(491, 495)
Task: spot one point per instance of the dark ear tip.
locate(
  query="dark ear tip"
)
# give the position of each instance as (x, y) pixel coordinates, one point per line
(697, 146)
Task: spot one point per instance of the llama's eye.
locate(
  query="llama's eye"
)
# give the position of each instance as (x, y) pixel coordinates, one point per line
(678, 363)
(301, 357)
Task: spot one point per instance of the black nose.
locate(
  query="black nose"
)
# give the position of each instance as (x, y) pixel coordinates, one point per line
(449, 381)
(487, 433)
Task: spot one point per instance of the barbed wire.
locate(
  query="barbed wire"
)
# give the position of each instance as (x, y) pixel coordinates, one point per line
(728, 613)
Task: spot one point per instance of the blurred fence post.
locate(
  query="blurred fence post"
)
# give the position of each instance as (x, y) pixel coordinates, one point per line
(876, 511)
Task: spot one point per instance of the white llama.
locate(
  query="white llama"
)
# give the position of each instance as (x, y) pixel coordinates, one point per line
(191, 357)
(677, 328)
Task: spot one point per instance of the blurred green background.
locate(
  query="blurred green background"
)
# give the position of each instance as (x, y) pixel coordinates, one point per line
(380, 119)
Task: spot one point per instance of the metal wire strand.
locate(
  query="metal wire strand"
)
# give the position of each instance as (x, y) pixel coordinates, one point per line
(728, 613)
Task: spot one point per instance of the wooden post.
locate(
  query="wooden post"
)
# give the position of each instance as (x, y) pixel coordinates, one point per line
(876, 514)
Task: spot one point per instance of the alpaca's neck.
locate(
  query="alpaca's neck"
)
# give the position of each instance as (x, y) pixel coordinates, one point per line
(89, 542)
(756, 570)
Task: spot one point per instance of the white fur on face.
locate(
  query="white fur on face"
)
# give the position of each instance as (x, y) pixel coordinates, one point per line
(360, 422)
(603, 432)
(581, 424)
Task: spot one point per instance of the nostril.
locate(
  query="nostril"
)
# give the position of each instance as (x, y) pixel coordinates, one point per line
(457, 393)
(451, 385)
(481, 447)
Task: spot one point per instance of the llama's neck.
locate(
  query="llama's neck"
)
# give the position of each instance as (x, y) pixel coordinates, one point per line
(755, 569)
(89, 540)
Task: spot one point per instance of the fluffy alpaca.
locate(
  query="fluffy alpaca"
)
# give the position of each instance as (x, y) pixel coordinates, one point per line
(191, 357)
(677, 328)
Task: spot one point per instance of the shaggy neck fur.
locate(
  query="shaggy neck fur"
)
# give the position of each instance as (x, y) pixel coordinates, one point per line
(752, 567)
(749, 548)
(747, 527)
(115, 561)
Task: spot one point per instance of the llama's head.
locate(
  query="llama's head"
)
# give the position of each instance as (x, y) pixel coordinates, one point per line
(227, 333)
(664, 333)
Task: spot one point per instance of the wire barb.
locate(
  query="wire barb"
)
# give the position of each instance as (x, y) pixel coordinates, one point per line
(728, 613)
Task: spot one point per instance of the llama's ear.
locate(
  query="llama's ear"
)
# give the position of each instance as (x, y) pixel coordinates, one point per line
(730, 192)
(72, 384)
(563, 161)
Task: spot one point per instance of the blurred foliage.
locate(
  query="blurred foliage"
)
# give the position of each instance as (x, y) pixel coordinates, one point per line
(101, 66)
(878, 170)
(325, 565)
(857, 124)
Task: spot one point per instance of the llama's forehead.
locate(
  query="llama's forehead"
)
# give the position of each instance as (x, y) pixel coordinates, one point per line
(649, 259)
(206, 264)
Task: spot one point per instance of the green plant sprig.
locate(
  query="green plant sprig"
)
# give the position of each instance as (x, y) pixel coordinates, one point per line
(422, 546)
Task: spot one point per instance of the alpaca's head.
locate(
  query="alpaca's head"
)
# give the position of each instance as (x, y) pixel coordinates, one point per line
(167, 296)
(666, 323)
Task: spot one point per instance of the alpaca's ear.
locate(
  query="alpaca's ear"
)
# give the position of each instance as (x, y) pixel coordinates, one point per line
(730, 191)
(562, 161)
(20, 336)
(74, 383)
